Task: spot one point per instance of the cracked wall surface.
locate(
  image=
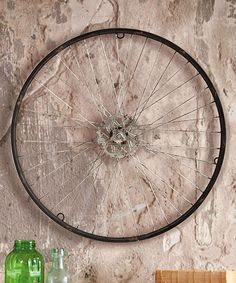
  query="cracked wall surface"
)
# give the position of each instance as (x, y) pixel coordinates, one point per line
(205, 29)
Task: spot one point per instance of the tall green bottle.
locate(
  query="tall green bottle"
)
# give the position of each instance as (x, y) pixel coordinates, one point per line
(24, 264)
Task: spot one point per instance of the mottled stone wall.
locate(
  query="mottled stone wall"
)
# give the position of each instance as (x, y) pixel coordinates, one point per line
(204, 28)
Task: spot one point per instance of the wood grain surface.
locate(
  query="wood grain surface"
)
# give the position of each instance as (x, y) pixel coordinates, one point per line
(179, 276)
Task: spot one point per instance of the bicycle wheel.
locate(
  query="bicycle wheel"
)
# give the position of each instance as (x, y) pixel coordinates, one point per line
(118, 135)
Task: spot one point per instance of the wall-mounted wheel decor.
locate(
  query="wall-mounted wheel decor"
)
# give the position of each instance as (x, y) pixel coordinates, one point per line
(118, 135)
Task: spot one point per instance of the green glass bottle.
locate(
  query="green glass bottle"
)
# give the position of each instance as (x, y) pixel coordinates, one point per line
(24, 264)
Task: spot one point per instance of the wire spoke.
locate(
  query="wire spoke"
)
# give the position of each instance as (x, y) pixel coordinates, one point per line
(158, 81)
(151, 185)
(94, 77)
(62, 165)
(105, 195)
(145, 199)
(132, 75)
(194, 119)
(172, 157)
(180, 174)
(190, 131)
(180, 116)
(53, 93)
(147, 82)
(54, 151)
(45, 161)
(58, 142)
(119, 204)
(164, 96)
(65, 181)
(96, 101)
(172, 76)
(57, 126)
(111, 79)
(187, 157)
(165, 83)
(182, 146)
(76, 120)
(90, 171)
(178, 106)
(129, 200)
(125, 68)
(190, 120)
(67, 105)
(163, 181)
(78, 192)
(59, 77)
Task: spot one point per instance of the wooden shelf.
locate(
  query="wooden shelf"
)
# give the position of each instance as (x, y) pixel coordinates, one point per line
(192, 276)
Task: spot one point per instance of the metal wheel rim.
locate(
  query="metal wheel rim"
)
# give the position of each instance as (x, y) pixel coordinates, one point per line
(189, 211)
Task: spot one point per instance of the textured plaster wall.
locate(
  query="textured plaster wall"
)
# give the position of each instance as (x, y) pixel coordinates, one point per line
(204, 28)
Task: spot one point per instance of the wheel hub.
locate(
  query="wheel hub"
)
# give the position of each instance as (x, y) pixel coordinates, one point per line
(117, 137)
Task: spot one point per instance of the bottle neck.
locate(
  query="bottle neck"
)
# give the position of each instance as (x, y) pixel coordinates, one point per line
(23, 245)
(58, 262)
